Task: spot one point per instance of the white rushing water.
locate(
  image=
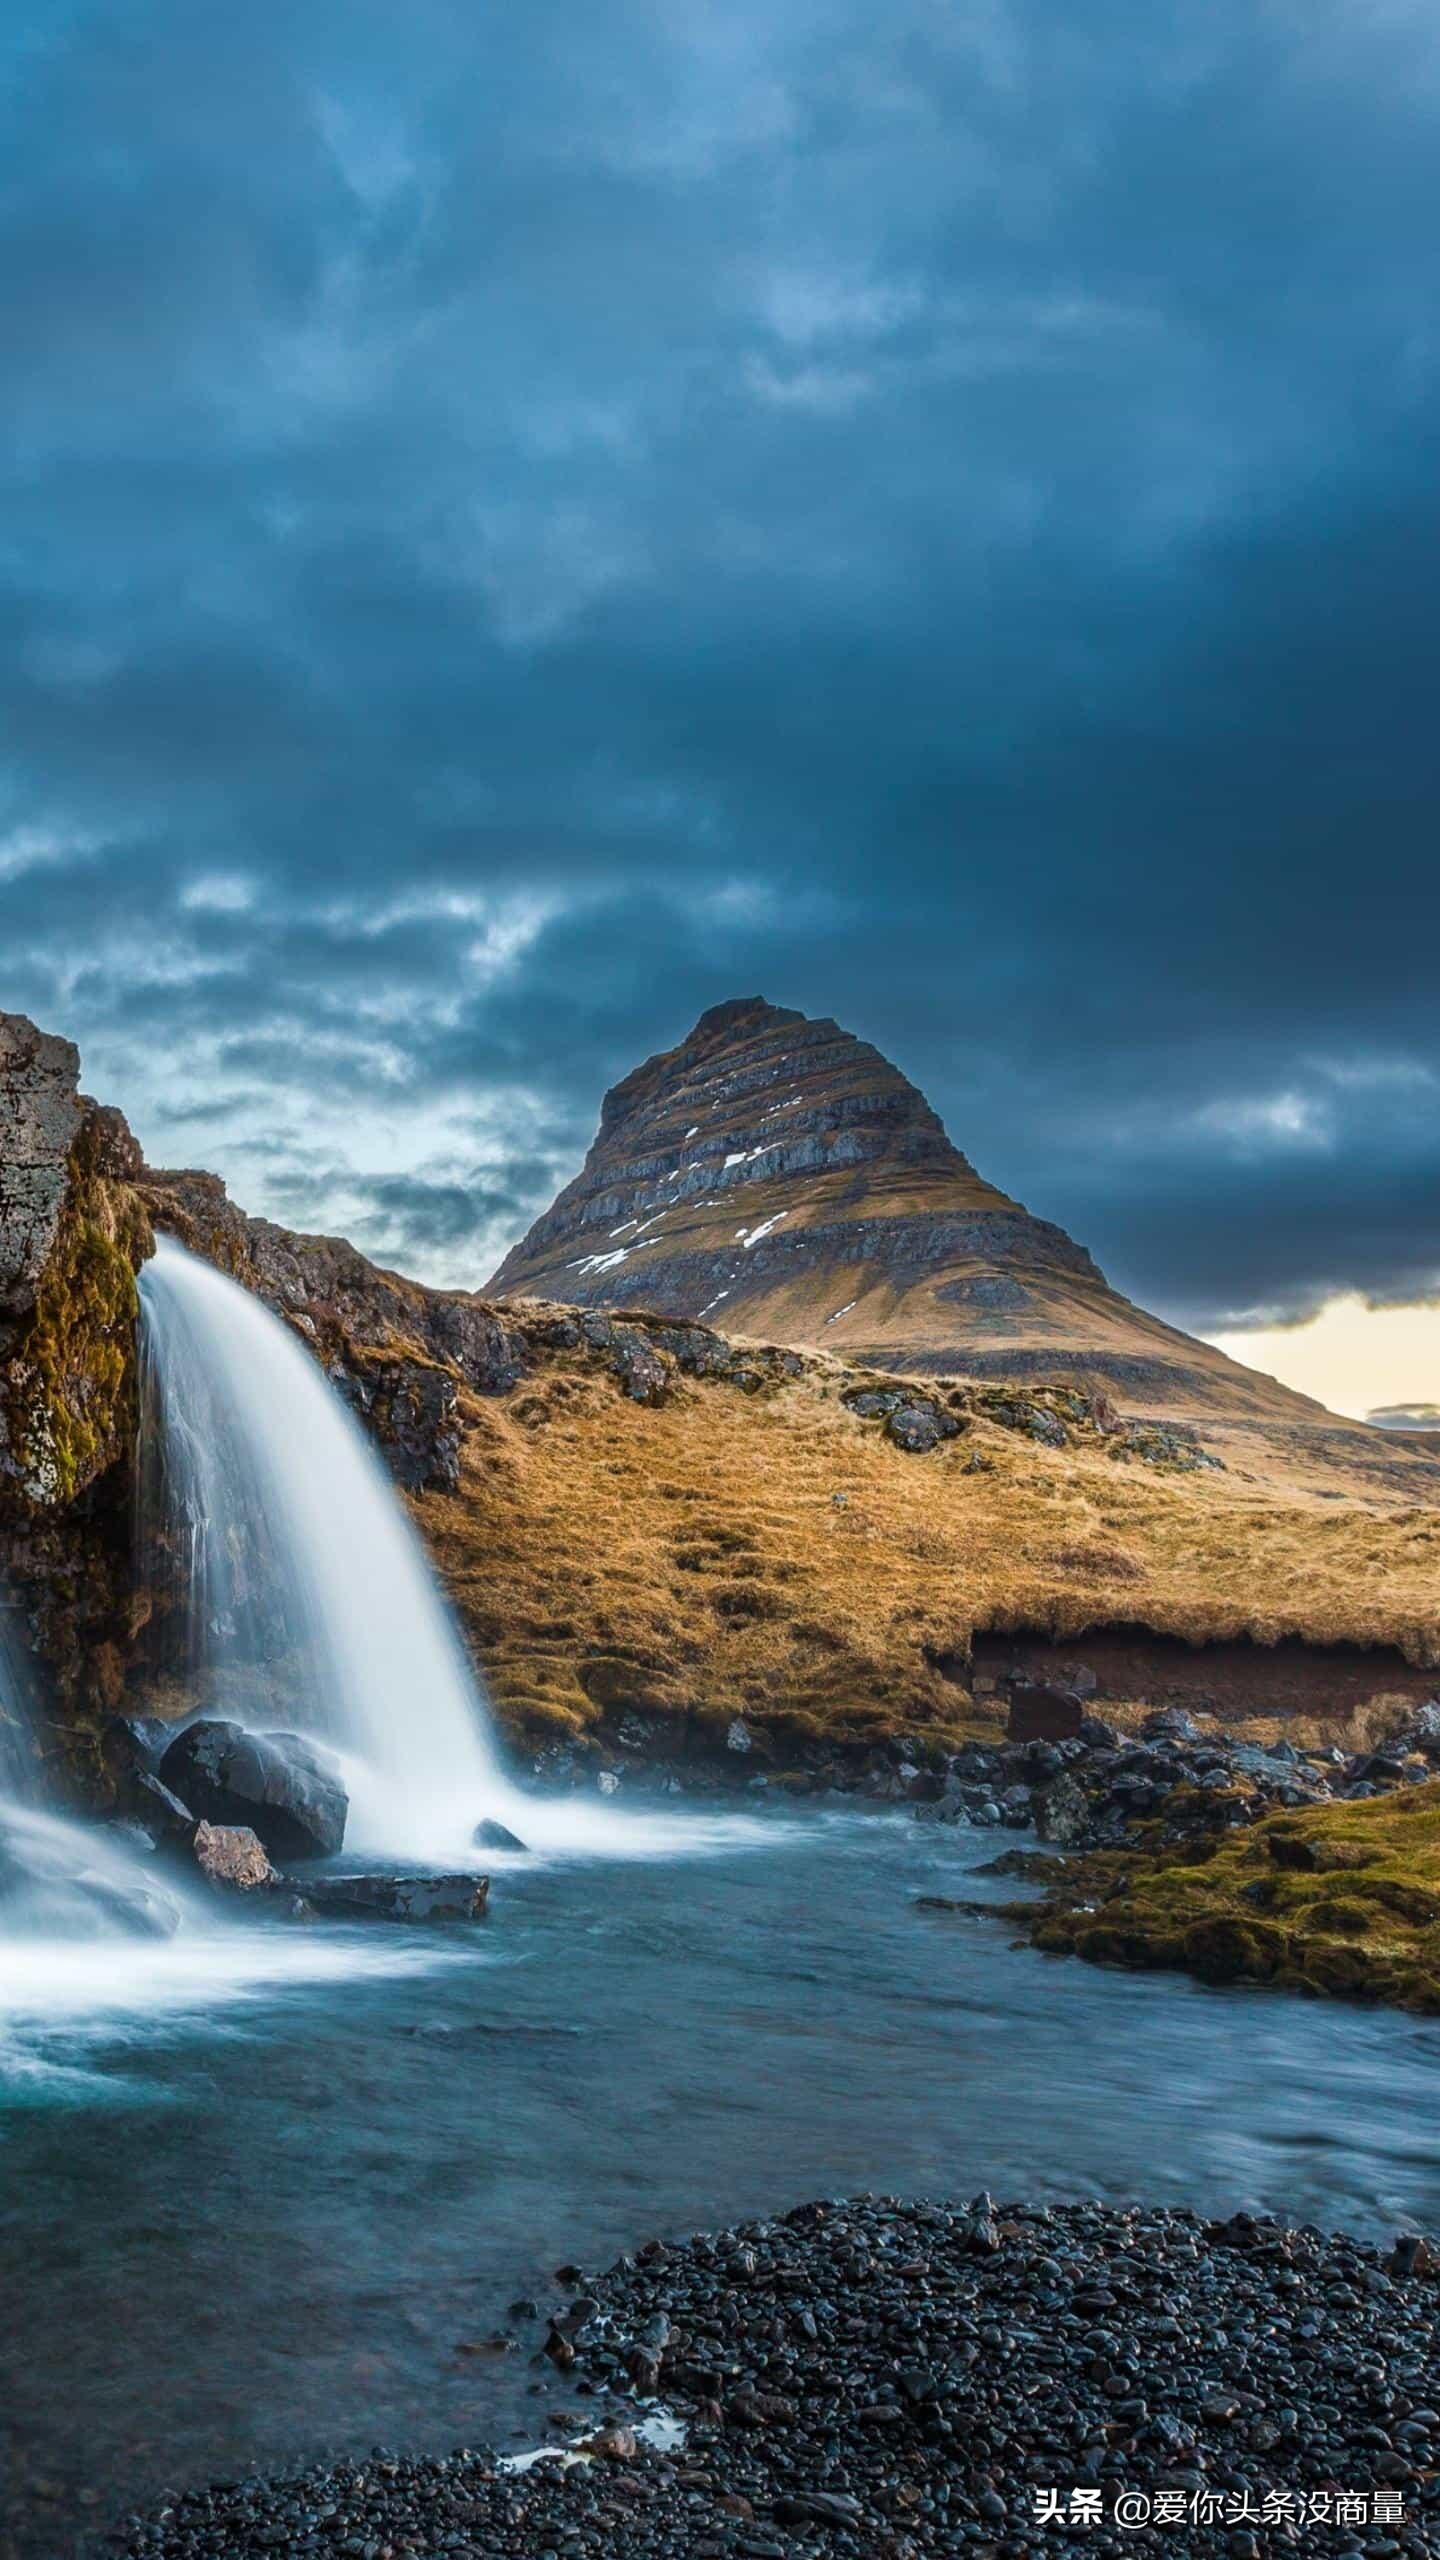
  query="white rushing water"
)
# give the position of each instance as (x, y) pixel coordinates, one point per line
(312, 1604)
(73, 1896)
(308, 1581)
(100, 1939)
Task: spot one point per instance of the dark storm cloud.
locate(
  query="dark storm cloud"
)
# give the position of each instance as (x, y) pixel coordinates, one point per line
(427, 1214)
(512, 532)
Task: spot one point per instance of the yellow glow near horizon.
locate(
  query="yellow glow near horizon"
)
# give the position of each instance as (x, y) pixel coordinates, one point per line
(1353, 1357)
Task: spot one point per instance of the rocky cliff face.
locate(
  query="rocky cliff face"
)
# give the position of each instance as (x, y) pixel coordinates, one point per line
(73, 1232)
(70, 1242)
(782, 1177)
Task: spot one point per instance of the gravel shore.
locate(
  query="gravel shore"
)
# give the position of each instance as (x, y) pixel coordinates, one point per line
(872, 2380)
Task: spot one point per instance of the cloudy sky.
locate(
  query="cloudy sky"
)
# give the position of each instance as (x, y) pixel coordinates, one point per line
(517, 524)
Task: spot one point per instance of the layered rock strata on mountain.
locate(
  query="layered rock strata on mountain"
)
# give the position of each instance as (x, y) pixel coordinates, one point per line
(781, 1176)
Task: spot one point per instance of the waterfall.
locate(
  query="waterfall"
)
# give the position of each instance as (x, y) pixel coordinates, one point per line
(308, 1602)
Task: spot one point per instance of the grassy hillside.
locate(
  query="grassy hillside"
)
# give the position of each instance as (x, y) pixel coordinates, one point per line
(756, 1545)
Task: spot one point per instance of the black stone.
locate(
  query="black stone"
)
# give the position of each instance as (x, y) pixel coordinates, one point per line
(493, 1835)
(283, 1786)
(407, 1898)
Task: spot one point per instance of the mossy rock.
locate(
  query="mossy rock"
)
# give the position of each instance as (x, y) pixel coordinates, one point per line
(1141, 1947)
(1416, 1903)
(1344, 1972)
(1414, 1986)
(1225, 1948)
(1302, 1853)
(1335, 1916)
(70, 1385)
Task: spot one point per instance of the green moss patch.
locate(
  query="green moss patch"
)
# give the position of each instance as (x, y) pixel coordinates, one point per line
(70, 1388)
(1341, 1899)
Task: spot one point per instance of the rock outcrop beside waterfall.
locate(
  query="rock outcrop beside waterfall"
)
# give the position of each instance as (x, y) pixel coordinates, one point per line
(73, 1232)
(72, 1235)
(661, 1540)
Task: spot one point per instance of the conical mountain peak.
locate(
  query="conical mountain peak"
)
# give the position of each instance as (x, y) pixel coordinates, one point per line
(779, 1177)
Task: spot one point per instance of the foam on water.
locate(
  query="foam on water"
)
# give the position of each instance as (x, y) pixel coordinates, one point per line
(69, 2010)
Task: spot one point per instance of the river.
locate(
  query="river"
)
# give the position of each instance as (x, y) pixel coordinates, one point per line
(265, 2194)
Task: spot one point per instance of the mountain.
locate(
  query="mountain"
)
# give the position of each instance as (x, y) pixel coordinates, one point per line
(782, 1178)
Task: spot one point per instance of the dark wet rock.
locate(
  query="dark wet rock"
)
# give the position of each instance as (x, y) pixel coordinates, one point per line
(1170, 1724)
(413, 1410)
(919, 1427)
(1095, 1788)
(870, 2380)
(1422, 1732)
(158, 1812)
(490, 1834)
(442, 1899)
(1065, 1813)
(139, 1742)
(231, 1858)
(915, 1422)
(1097, 1735)
(1379, 1768)
(284, 1786)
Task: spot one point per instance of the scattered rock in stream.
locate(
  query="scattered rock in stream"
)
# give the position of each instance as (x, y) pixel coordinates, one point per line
(491, 1834)
(413, 1898)
(873, 2380)
(231, 1858)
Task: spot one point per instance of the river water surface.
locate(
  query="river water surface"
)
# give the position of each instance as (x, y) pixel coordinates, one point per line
(268, 2196)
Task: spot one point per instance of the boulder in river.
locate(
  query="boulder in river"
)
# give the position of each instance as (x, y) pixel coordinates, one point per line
(490, 1834)
(285, 1787)
(159, 1813)
(412, 1898)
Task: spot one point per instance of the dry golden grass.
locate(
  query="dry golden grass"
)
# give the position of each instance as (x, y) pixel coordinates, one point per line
(773, 1554)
